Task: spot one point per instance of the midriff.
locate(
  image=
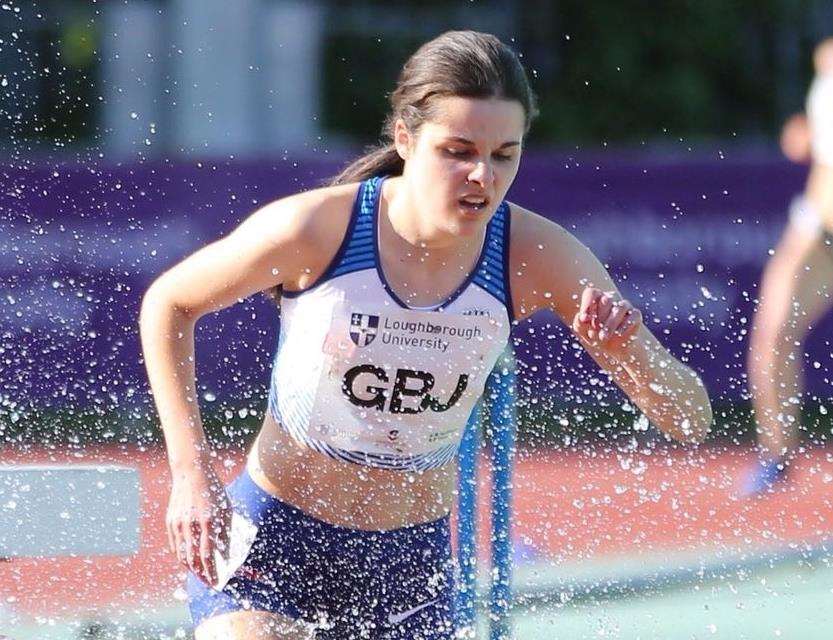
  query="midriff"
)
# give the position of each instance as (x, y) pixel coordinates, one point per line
(343, 493)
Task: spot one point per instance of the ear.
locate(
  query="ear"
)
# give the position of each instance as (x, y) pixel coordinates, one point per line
(402, 139)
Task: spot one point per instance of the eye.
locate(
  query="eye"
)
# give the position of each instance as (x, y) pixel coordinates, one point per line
(503, 157)
(456, 153)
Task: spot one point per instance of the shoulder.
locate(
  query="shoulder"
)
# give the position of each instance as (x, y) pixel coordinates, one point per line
(549, 266)
(301, 232)
(306, 217)
(533, 236)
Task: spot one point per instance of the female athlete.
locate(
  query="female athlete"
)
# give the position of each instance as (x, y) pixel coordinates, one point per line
(796, 286)
(398, 287)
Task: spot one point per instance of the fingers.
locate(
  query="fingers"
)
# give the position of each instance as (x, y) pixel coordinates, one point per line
(192, 548)
(172, 542)
(198, 522)
(616, 314)
(196, 548)
(630, 324)
(206, 550)
(177, 539)
(594, 310)
(587, 307)
(604, 307)
(224, 530)
(193, 540)
(617, 317)
(604, 317)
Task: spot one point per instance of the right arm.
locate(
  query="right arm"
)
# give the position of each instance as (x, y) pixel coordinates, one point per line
(275, 246)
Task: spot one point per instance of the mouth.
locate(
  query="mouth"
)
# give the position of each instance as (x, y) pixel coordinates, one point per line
(473, 203)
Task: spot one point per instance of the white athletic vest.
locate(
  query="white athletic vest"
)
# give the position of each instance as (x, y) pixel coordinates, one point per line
(820, 114)
(362, 377)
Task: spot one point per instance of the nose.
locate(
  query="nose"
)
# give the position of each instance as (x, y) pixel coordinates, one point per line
(482, 174)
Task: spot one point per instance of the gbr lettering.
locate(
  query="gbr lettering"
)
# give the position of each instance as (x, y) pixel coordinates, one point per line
(409, 392)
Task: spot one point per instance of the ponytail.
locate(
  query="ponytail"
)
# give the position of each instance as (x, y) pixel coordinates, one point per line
(381, 160)
(378, 161)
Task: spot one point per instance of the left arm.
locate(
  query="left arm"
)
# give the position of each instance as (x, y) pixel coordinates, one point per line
(669, 393)
(553, 270)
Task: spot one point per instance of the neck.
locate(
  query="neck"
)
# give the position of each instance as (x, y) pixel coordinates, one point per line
(414, 236)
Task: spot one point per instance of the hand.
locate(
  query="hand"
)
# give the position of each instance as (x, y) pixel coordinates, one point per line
(606, 321)
(198, 521)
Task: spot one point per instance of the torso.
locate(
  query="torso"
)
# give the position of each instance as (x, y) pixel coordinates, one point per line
(344, 493)
(356, 495)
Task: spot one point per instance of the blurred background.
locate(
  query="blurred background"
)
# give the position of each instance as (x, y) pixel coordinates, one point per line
(133, 132)
(256, 78)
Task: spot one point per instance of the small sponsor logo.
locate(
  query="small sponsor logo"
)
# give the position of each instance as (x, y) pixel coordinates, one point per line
(248, 573)
(363, 328)
(397, 618)
(438, 436)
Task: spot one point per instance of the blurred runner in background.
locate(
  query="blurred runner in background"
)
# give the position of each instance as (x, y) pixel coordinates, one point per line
(796, 285)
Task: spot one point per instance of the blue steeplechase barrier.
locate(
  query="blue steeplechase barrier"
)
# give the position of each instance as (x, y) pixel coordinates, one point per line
(500, 429)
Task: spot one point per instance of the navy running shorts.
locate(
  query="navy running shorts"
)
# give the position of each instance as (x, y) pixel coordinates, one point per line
(349, 583)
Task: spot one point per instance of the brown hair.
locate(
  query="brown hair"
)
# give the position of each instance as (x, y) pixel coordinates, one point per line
(457, 63)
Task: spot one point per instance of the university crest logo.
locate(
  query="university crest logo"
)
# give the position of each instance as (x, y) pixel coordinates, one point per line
(363, 328)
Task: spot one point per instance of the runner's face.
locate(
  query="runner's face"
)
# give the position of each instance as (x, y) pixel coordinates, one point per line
(463, 162)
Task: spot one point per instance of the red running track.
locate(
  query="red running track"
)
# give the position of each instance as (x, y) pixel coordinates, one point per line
(569, 505)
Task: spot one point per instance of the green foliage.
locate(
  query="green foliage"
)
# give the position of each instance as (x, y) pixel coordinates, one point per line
(635, 70)
(359, 74)
(618, 72)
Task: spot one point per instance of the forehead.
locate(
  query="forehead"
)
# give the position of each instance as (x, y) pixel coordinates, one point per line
(477, 119)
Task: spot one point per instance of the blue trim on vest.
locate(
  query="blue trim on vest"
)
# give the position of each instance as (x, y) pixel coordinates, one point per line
(359, 250)
(339, 257)
(359, 254)
(492, 273)
(507, 271)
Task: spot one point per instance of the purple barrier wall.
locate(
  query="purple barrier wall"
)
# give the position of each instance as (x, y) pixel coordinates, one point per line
(78, 246)
(686, 241)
